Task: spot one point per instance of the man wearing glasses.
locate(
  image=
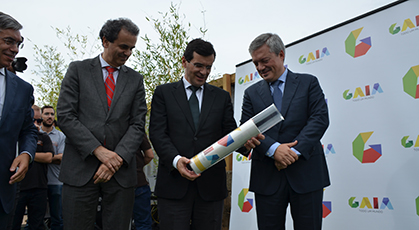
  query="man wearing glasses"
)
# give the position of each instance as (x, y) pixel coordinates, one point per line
(16, 119)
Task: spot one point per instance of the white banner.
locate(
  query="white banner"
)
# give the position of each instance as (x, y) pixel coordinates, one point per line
(368, 69)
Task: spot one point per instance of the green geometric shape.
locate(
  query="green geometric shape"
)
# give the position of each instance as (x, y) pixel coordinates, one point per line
(410, 82)
(350, 44)
(242, 196)
(358, 147)
(405, 143)
(417, 206)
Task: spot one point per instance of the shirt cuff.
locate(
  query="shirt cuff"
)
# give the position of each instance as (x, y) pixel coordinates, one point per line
(271, 150)
(28, 154)
(175, 161)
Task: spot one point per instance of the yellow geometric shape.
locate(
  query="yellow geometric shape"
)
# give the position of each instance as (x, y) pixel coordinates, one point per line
(365, 202)
(407, 23)
(417, 142)
(366, 136)
(357, 32)
(238, 129)
(416, 69)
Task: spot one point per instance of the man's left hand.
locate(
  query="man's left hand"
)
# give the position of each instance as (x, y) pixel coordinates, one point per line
(253, 142)
(103, 174)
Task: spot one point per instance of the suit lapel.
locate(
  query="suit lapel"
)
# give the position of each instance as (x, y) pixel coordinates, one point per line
(11, 89)
(265, 93)
(207, 102)
(180, 96)
(291, 85)
(123, 78)
(97, 75)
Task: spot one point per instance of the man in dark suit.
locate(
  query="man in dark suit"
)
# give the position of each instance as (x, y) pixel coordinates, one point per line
(289, 166)
(186, 117)
(16, 119)
(101, 110)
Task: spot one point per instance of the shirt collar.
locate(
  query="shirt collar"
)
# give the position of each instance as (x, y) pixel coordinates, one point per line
(104, 64)
(3, 71)
(187, 84)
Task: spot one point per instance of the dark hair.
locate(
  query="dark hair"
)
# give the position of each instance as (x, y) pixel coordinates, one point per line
(8, 22)
(199, 46)
(273, 41)
(111, 28)
(47, 107)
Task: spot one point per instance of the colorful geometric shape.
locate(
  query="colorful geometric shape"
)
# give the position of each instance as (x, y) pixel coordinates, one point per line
(410, 82)
(213, 158)
(370, 155)
(327, 208)
(198, 163)
(245, 206)
(357, 50)
(226, 141)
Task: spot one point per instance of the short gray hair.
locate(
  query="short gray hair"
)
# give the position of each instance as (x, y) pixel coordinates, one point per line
(8, 22)
(273, 41)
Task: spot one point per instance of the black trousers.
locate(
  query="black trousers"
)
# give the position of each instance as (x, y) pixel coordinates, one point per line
(306, 209)
(190, 212)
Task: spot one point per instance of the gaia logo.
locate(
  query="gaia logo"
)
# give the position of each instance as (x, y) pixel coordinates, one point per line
(370, 155)
(245, 206)
(327, 208)
(410, 82)
(407, 23)
(385, 203)
(248, 78)
(241, 158)
(311, 56)
(359, 93)
(360, 49)
(329, 149)
(409, 143)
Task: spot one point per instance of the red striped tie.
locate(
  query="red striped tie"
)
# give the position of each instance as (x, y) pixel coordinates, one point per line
(110, 84)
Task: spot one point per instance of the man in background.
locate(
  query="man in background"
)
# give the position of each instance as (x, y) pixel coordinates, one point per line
(16, 119)
(33, 189)
(142, 206)
(54, 185)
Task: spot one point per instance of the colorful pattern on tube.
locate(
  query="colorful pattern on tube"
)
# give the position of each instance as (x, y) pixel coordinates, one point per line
(236, 139)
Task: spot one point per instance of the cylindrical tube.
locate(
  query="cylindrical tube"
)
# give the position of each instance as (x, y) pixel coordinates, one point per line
(260, 123)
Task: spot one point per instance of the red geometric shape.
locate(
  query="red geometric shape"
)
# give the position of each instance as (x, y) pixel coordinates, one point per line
(247, 206)
(361, 49)
(370, 156)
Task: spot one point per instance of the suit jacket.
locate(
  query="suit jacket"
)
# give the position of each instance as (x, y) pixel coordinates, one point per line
(306, 120)
(16, 124)
(172, 132)
(85, 120)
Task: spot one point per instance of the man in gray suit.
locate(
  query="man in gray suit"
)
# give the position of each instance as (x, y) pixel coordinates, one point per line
(101, 110)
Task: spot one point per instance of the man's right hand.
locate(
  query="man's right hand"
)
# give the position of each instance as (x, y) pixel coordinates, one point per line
(184, 171)
(284, 156)
(109, 158)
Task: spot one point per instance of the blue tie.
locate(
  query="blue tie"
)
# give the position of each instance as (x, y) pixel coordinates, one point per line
(277, 94)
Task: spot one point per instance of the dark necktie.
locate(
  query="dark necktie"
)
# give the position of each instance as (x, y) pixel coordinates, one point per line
(110, 84)
(277, 94)
(194, 105)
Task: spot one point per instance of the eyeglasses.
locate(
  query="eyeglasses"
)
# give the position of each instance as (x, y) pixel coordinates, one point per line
(201, 66)
(38, 121)
(13, 42)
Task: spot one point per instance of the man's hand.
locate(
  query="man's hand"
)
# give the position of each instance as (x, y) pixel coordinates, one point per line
(184, 171)
(284, 156)
(21, 163)
(57, 159)
(103, 174)
(109, 158)
(253, 142)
